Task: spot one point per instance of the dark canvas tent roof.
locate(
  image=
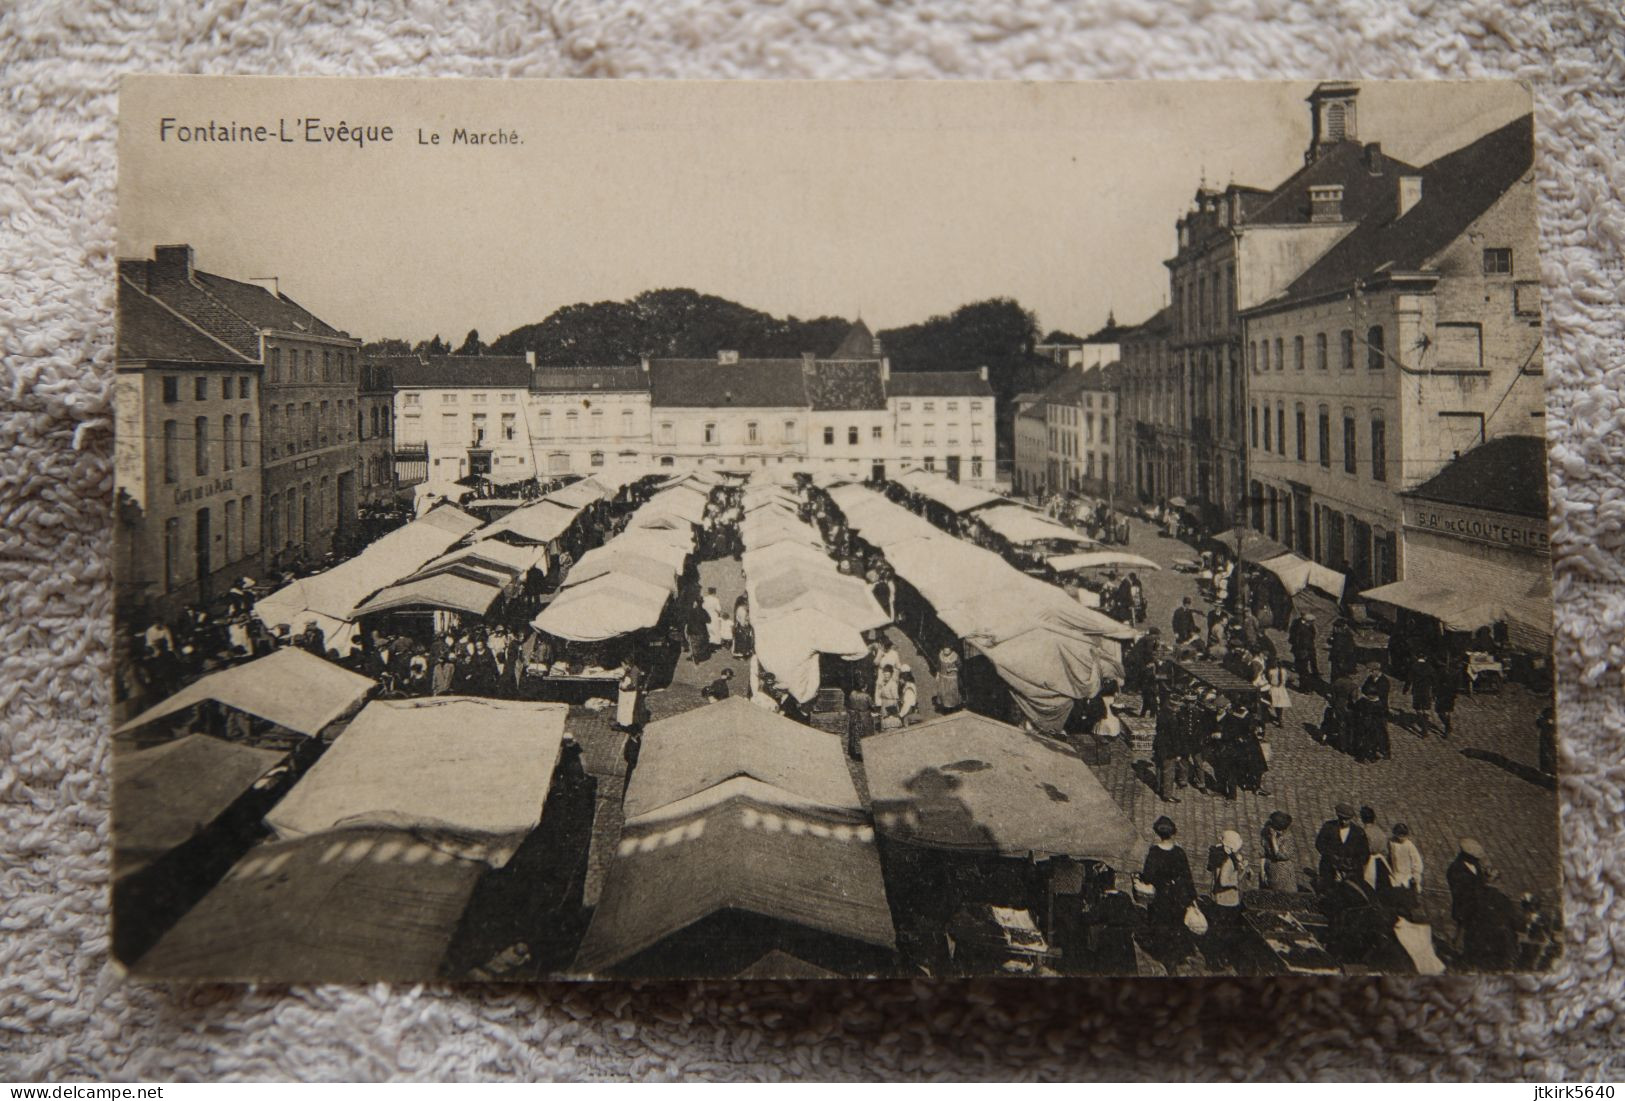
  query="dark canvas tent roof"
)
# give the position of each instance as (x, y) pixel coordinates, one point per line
(699, 749)
(967, 782)
(799, 867)
(166, 795)
(370, 905)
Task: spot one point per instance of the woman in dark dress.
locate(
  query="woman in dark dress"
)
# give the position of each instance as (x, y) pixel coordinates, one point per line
(1371, 723)
(1112, 923)
(1168, 872)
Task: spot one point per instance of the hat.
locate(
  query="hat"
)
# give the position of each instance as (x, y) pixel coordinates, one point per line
(1472, 848)
(1344, 810)
(1210, 696)
(1164, 827)
(1231, 840)
(1280, 820)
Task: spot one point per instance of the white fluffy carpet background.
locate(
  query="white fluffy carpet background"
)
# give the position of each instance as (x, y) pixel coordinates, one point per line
(65, 1016)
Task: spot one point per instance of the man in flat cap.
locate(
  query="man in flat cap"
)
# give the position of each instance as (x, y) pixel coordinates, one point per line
(1343, 846)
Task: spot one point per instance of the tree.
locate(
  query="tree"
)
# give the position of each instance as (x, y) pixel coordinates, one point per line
(471, 345)
(388, 346)
(435, 347)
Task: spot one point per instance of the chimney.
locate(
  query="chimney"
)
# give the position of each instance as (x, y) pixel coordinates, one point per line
(643, 361)
(981, 372)
(1373, 158)
(1410, 193)
(530, 360)
(1326, 203)
(172, 262)
(885, 368)
(724, 358)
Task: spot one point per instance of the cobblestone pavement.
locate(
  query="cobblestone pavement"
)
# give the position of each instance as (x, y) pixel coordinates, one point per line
(1481, 783)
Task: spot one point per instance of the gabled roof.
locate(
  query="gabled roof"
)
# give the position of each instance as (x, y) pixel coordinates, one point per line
(748, 383)
(1366, 174)
(848, 384)
(149, 330)
(1157, 325)
(938, 384)
(490, 372)
(557, 380)
(1456, 190)
(261, 308)
(1506, 474)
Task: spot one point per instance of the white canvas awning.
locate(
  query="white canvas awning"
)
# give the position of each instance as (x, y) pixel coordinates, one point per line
(289, 687)
(1088, 560)
(605, 607)
(1021, 525)
(541, 522)
(1297, 574)
(473, 772)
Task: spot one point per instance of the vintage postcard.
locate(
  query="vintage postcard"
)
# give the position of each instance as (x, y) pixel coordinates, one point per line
(591, 530)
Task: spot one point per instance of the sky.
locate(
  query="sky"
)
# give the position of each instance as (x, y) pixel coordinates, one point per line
(893, 201)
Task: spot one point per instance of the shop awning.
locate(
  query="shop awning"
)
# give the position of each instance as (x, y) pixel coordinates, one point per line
(577, 495)
(605, 607)
(290, 687)
(788, 645)
(374, 905)
(1048, 672)
(1088, 560)
(471, 774)
(817, 874)
(446, 592)
(1020, 525)
(1456, 610)
(166, 795)
(613, 559)
(489, 554)
(1297, 574)
(330, 598)
(699, 749)
(1255, 545)
(966, 782)
(950, 494)
(542, 522)
(835, 594)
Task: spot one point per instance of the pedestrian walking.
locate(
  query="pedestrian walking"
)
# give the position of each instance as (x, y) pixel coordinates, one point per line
(1166, 874)
(1278, 852)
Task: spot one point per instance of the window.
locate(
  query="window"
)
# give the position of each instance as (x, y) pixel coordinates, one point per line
(929, 407)
(975, 432)
(448, 426)
(172, 461)
(477, 435)
(829, 436)
(200, 389)
(231, 532)
(1374, 357)
(626, 422)
(1303, 436)
(1526, 299)
(1263, 356)
(507, 399)
(448, 397)
(1497, 261)
(953, 432)
(1280, 429)
(572, 424)
(1255, 427)
(544, 424)
(852, 436)
(953, 407)
(596, 418)
(411, 400)
(753, 432)
(666, 433)
(1379, 449)
(1351, 444)
(1320, 352)
(227, 451)
(930, 462)
(930, 434)
(1325, 425)
(1280, 354)
(477, 398)
(976, 466)
(1346, 340)
(710, 432)
(905, 434)
(200, 438)
(292, 429)
(226, 388)
(1297, 353)
(172, 552)
(903, 406)
(876, 434)
(276, 364)
(310, 370)
(1252, 357)
(789, 431)
(1267, 435)
(975, 407)
(1336, 122)
(510, 426)
(597, 458)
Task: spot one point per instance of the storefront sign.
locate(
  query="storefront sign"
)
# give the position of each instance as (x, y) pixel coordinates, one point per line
(1496, 529)
(203, 491)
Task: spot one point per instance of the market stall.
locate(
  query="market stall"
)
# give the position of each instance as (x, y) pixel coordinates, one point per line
(748, 830)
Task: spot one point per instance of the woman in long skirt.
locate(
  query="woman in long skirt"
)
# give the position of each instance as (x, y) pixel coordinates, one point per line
(626, 699)
(950, 696)
(1280, 697)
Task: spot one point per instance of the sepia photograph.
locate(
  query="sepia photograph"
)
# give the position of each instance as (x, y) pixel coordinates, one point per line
(633, 530)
